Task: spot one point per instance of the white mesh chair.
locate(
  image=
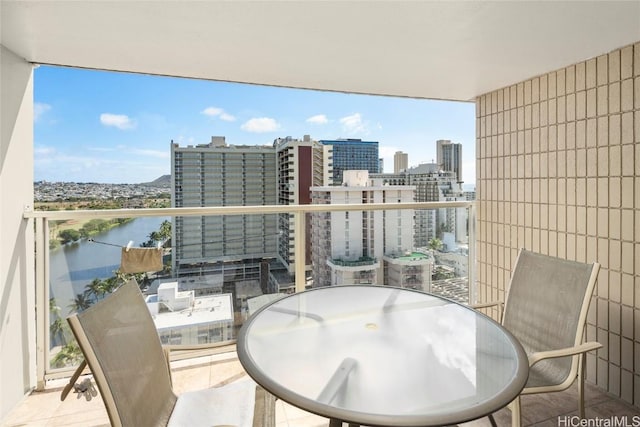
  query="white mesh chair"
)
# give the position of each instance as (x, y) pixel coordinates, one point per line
(122, 348)
(546, 309)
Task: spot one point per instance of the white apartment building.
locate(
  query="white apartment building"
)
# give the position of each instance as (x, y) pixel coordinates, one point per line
(432, 184)
(348, 247)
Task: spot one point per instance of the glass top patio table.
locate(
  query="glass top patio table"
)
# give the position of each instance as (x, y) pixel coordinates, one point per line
(382, 356)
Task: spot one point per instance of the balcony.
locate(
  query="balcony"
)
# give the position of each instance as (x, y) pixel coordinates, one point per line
(220, 251)
(532, 118)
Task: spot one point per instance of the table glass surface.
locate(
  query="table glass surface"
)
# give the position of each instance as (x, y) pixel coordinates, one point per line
(380, 355)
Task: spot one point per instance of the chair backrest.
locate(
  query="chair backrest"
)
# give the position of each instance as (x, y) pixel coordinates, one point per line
(546, 308)
(122, 348)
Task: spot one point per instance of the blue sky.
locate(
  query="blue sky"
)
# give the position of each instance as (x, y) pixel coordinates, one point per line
(98, 126)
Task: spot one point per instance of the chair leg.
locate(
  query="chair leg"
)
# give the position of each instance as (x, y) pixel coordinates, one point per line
(73, 379)
(581, 371)
(515, 412)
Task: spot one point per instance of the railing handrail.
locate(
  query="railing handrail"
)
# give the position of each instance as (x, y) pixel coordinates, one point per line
(238, 210)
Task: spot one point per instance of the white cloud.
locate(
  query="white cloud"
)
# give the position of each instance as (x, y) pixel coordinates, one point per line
(354, 124)
(101, 149)
(39, 109)
(120, 121)
(318, 119)
(261, 125)
(43, 151)
(214, 112)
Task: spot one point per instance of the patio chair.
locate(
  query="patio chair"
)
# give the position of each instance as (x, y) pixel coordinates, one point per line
(131, 368)
(546, 310)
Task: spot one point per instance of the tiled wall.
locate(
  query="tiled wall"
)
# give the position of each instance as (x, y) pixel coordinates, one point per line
(558, 169)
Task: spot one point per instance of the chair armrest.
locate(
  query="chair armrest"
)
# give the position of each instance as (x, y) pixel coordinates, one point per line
(489, 304)
(562, 352)
(486, 304)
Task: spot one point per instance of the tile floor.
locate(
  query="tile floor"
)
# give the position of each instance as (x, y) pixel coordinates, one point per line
(45, 408)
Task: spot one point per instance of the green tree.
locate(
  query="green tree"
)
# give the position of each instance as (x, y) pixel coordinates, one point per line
(69, 355)
(435, 244)
(165, 230)
(58, 327)
(95, 289)
(80, 303)
(69, 235)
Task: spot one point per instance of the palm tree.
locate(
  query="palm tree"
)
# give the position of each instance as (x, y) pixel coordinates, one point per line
(54, 309)
(165, 230)
(69, 355)
(94, 289)
(57, 327)
(80, 303)
(58, 331)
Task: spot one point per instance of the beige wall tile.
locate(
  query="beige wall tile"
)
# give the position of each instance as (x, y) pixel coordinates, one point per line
(591, 79)
(603, 100)
(626, 62)
(614, 129)
(581, 70)
(626, 95)
(603, 161)
(592, 103)
(592, 132)
(603, 131)
(614, 224)
(615, 160)
(626, 195)
(602, 70)
(614, 97)
(614, 66)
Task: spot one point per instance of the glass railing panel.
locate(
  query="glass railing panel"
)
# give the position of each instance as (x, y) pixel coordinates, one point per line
(219, 269)
(229, 264)
(442, 235)
(84, 262)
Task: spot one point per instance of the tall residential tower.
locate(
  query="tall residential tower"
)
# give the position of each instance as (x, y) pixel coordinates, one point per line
(353, 154)
(449, 157)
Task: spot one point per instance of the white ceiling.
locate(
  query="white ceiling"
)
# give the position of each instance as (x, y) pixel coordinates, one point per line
(451, 50)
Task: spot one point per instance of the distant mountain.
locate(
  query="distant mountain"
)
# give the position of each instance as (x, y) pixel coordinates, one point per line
(163, 181)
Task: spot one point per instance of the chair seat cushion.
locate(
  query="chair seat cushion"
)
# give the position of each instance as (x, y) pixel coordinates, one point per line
(229, 405)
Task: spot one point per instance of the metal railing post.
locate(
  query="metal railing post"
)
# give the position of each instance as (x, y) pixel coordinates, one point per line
(473, 287)
(42, 300)
(299, 251)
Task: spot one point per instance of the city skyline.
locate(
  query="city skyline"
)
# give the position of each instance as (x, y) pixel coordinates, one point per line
(108, 127)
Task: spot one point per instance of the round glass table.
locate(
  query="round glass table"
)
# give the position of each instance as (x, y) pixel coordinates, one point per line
(382, 356)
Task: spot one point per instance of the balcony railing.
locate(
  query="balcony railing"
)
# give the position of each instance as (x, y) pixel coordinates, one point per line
(226, 284)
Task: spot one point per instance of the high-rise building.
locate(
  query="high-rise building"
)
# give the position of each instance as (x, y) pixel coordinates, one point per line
(449, 157)
(217, 174)
(302, 164)
(348, 247)
(400, 162)
(353, 154)
(432, 185)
